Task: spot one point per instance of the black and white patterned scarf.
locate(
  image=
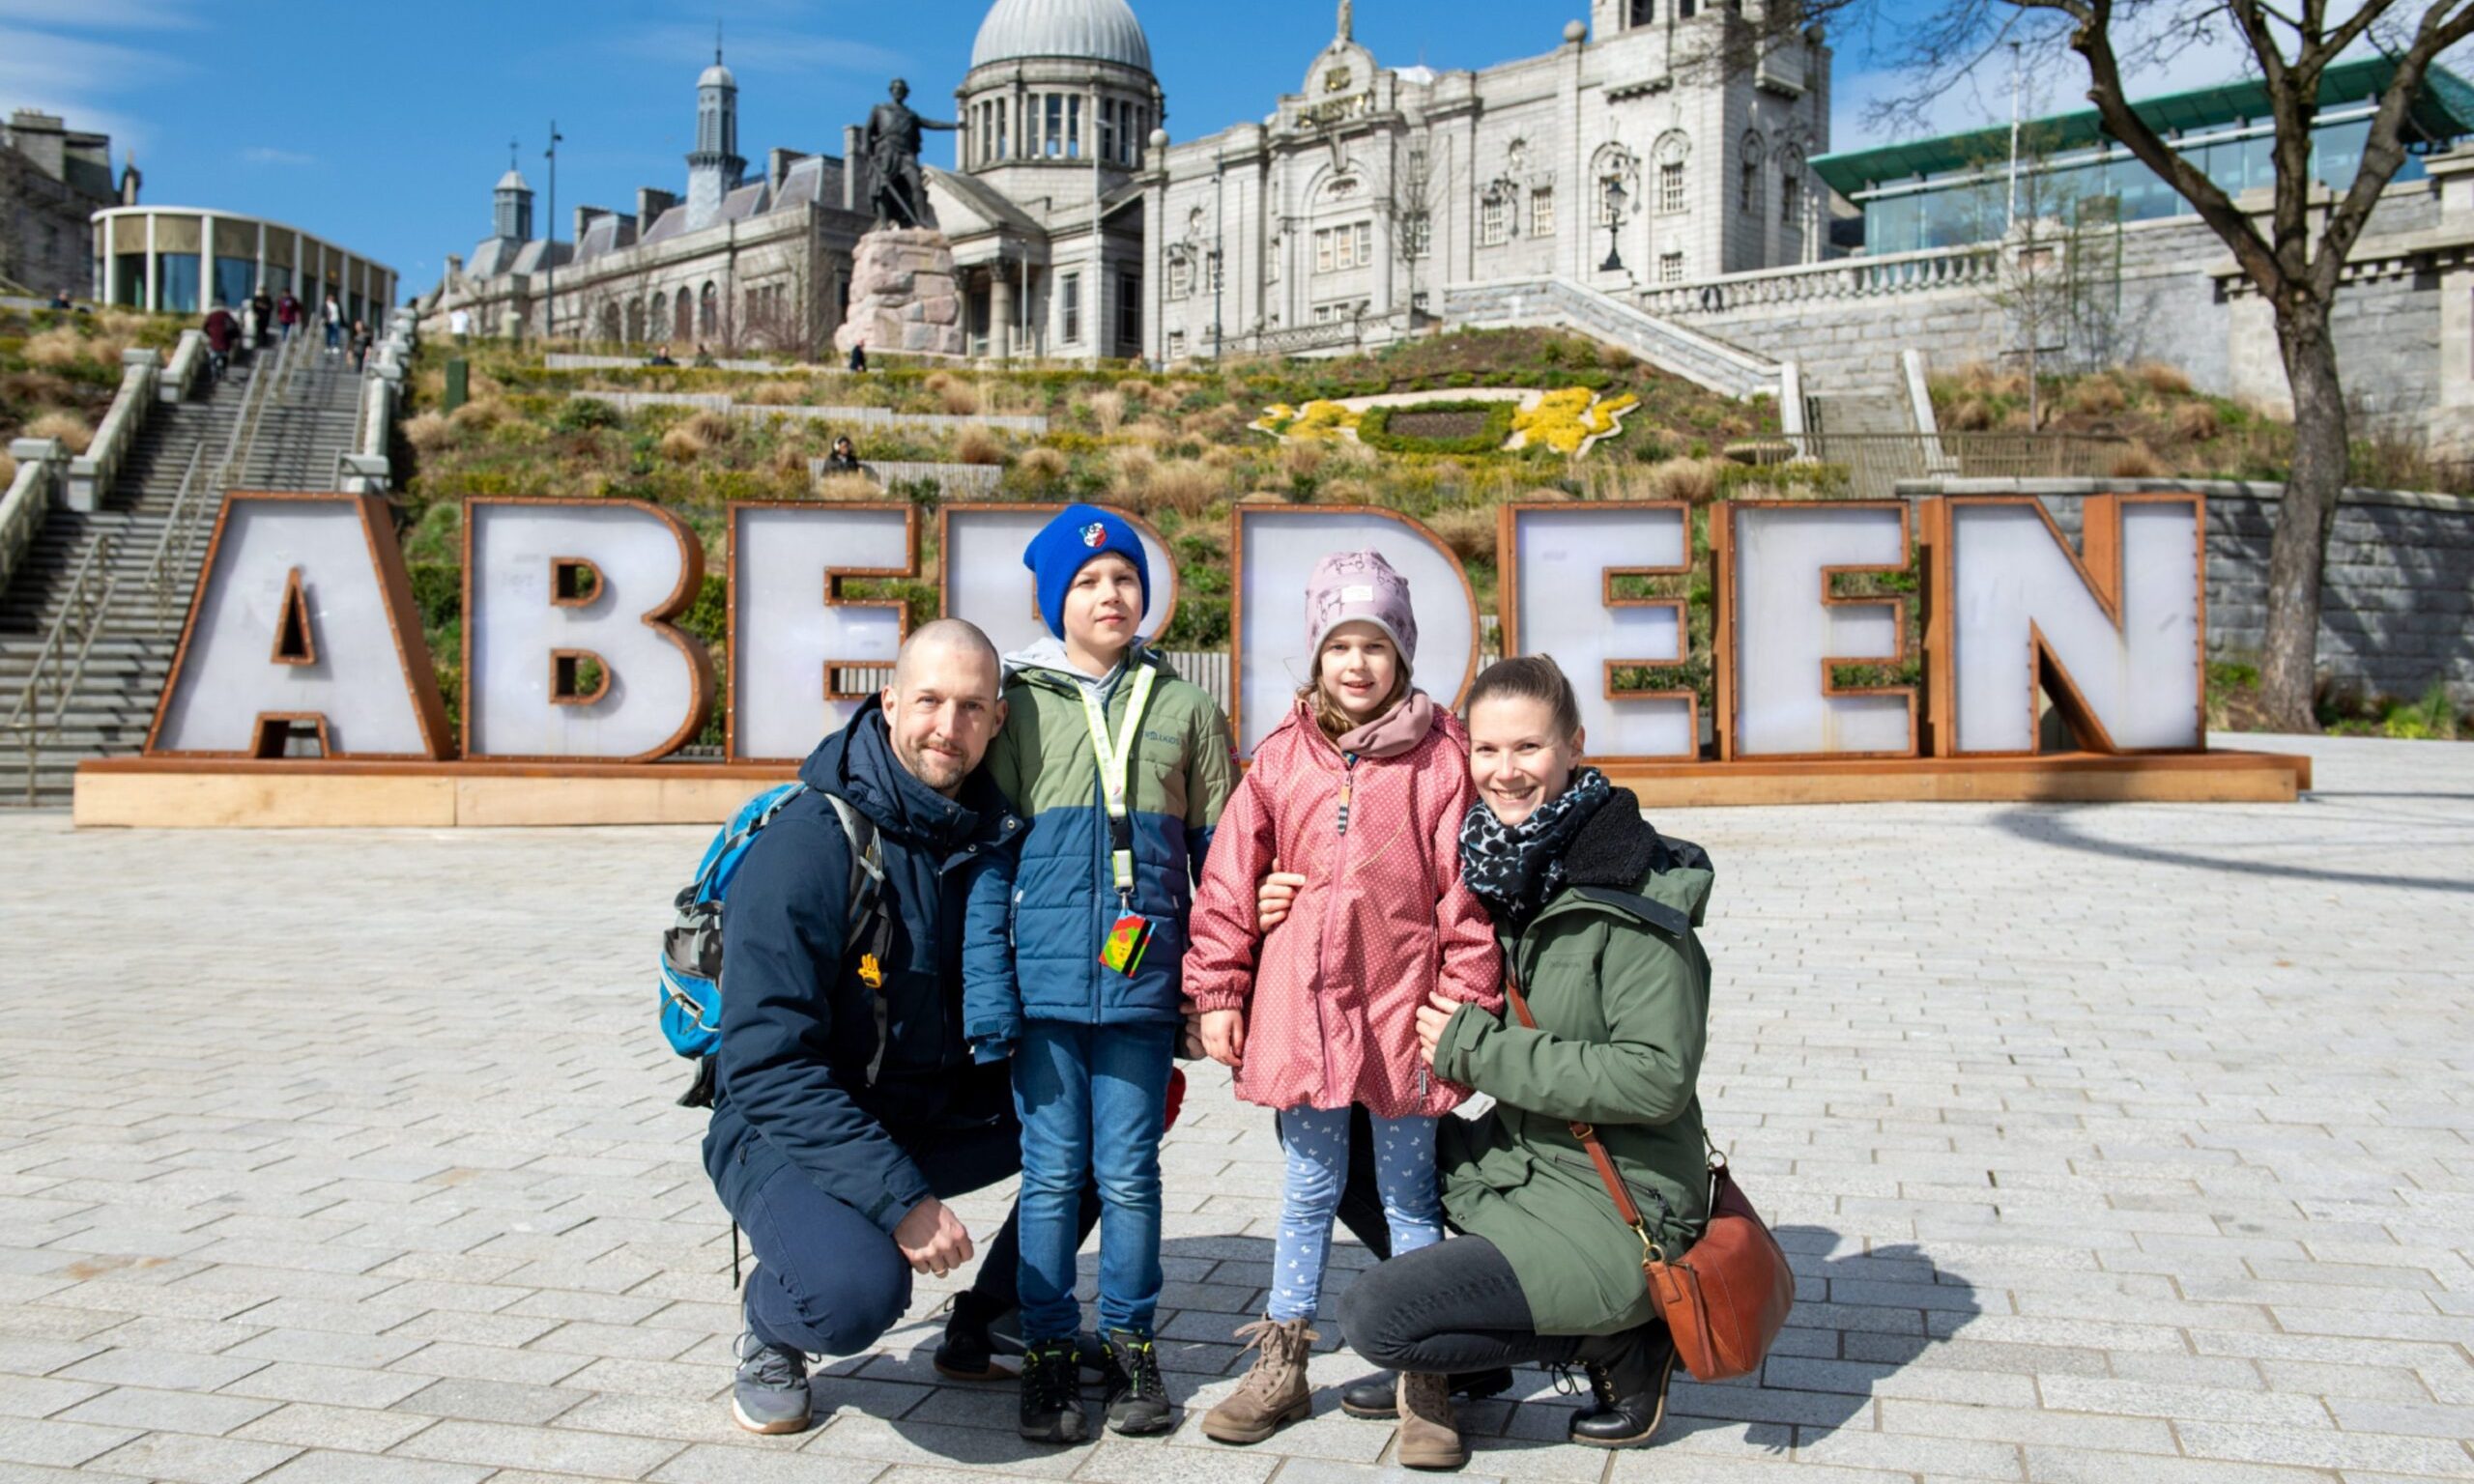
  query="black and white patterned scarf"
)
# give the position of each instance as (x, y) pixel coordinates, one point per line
(1515, 868)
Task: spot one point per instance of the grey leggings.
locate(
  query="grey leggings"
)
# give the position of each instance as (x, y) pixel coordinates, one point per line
(1455, 1306)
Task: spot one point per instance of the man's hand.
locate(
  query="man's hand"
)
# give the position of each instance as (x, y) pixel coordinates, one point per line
(1275, 896)
(1224, 1036)
(931, 1240)
(1432, 1017)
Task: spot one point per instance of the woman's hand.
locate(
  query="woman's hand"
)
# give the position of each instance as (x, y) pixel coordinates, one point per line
(1277, 895)
(1432, 1017)
(1224, 1036)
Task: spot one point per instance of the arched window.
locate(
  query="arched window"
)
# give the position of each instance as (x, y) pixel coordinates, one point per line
(635, 321)
(609, 318)
(1749, 199)
(708, 310)
(659, 319)
(682, 321)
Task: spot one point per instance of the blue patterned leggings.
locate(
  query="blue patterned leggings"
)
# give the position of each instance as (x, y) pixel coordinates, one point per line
(1318, 1143)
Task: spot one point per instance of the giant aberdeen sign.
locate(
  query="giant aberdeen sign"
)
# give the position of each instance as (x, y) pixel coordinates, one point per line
(577, 681)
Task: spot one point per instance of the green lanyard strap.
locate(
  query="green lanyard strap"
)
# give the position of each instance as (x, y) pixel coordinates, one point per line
(1116, 762)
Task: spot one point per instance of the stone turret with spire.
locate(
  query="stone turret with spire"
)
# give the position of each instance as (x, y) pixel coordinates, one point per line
(713, 171)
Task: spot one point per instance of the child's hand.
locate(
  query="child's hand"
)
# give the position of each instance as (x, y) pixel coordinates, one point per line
(1273, 897)
(1433, 1018)
(1224, 1036)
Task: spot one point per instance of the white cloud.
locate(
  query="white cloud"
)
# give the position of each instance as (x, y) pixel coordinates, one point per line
(263, 154)
(72, 78)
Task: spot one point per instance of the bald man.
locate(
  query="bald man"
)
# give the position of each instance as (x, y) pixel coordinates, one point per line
(849, 1106)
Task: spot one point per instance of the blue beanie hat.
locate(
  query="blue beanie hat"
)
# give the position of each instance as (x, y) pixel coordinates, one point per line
(1067, 544)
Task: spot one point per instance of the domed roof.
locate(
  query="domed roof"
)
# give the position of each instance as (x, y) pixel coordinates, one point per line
(716, 77)
(513, 179)
(1093, 30)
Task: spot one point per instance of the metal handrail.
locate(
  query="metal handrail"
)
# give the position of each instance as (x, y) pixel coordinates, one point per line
(176, 541)
(85, 605)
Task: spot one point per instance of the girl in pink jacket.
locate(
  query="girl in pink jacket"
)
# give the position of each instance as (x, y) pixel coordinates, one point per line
(1362, 789)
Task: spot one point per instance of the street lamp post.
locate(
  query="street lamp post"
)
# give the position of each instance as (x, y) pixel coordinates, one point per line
(550, 243)
(1219, 241)
(1614, 263)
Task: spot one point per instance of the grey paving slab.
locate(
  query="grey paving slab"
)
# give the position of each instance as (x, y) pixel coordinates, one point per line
(2108, 1143)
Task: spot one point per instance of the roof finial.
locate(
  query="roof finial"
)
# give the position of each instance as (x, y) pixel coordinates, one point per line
(511, 149)
(717, 40)
(1348, 19)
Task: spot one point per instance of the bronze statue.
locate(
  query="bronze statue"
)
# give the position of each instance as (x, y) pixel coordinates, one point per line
(896, 189)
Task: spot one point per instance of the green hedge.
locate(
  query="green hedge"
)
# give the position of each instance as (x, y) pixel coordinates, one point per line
(1374, 428)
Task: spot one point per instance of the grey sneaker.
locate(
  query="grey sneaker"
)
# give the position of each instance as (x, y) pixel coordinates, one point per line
(771, 1392)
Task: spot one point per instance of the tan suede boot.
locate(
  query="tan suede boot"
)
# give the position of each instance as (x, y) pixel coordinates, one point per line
(1274, 1393)
(1430, 1432)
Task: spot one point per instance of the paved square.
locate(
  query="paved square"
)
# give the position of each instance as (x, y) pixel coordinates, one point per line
(2116, 1143)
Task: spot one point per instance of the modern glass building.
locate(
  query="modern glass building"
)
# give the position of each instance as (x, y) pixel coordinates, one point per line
(1957, 189)
(184, 259)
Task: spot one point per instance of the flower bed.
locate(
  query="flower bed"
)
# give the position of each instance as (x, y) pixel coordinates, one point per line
(1571, 421)
(1438, 427)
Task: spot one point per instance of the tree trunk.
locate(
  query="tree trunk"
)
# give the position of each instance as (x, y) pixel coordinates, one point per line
(2299, 549)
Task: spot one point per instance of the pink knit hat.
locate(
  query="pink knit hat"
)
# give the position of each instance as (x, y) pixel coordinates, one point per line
(1360, 586)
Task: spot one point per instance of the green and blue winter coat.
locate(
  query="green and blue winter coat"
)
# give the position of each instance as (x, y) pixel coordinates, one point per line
(1040, 915)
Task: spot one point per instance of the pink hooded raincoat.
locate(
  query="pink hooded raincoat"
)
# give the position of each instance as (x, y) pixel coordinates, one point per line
(1331, 995)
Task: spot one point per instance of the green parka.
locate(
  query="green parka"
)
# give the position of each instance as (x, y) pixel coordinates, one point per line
(1620, 987)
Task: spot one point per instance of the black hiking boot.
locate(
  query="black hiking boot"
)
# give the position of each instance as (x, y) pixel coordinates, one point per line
(1378, 1394)
(1052, 1394)
(1136, 1399)
(1628, 1381)
(968, 1350)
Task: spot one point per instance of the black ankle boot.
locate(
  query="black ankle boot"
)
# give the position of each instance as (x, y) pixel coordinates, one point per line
(1628, 1379)
(1378, 1394)
(968, 1352)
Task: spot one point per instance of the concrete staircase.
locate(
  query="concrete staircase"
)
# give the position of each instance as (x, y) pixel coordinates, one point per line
(112, 706)
(1563, 304)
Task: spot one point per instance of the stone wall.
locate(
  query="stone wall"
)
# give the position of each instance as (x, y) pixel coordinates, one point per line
(45, 241)
(2397, 610)
(2169, 310)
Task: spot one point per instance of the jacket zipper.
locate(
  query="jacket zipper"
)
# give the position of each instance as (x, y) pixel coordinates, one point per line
(1339, 864)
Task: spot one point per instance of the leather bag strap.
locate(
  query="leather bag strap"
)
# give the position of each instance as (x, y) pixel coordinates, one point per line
(1588, 1136)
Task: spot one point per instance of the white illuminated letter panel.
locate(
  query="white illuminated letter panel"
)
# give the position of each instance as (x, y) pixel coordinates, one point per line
(653, 685)
(792, 630)
(358, 682)
(1279, 550)
(986, 583)
(1565, 556)
(2013, 583)
(1787, 635)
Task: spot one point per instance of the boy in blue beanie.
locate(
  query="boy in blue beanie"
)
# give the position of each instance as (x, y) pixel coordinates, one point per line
(1074, 948)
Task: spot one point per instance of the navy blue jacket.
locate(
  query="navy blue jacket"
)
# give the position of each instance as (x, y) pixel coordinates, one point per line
(798, 1026)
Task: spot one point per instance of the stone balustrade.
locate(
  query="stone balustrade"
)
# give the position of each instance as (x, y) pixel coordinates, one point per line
(856, 417)
(42, 467)
(188, 359)
(1973, 266)
(1661, 342)
(91, 474)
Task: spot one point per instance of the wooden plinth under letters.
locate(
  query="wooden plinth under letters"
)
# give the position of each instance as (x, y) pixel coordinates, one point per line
(167, 793)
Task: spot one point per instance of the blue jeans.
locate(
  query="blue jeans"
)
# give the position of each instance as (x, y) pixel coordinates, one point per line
(1317, 1144)
(1093, 1101)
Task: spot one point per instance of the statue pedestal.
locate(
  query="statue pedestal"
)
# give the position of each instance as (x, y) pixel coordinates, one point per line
(905, 295)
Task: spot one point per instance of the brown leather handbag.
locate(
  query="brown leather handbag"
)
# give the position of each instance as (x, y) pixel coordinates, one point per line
(1726, 1299)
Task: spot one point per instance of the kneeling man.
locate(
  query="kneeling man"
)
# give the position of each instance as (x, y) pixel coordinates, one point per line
(849, 1106)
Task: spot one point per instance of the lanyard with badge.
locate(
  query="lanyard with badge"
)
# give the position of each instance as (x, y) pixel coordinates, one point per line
(1131, 933)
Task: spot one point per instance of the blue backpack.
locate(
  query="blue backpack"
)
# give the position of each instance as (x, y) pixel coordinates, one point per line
(691, 949)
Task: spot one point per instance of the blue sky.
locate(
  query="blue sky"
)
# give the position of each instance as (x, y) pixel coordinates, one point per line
(382, 124)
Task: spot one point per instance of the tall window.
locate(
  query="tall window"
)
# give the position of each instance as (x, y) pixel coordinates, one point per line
(1417, 234)
(1671, 186)
(1000, 111)
(1054, 146)
(1751, 197)
(1076, 147)
(1337, 249)
(708, 310)
(1670, 267)
(1129, 309)
(1542, 211)
(1790, 191)
(1070, 292)
(1181, 277)
(1494, 221)
(682, 323)
(1643, 11)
